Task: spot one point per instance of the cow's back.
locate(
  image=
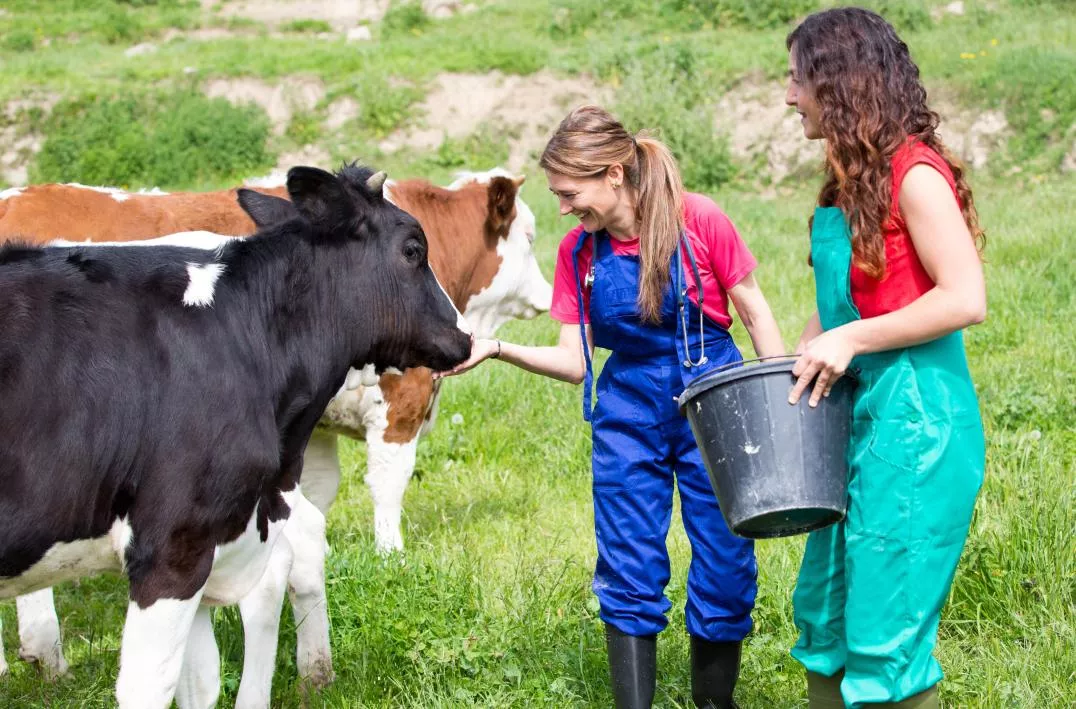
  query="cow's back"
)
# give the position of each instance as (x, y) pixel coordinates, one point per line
(41, 213)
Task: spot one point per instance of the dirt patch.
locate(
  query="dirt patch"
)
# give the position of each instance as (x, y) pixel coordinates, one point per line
(340, 112)
(308, 155)
(527, 108)
(20, 138)
(763, 130)
(972, 134)
(340, 14)
(279, 100)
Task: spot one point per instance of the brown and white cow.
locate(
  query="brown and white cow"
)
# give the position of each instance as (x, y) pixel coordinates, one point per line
(480, 235)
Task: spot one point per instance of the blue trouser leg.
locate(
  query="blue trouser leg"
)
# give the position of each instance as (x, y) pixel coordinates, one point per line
(721, 582)
(633, 487)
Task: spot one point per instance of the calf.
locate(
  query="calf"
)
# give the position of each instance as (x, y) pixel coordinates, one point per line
(481, 247)
(185, 480)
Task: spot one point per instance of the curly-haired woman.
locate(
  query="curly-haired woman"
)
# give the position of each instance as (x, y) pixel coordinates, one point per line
(898, 276)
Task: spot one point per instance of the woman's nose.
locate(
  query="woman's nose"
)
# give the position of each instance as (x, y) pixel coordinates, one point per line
(565, 208)
(791, 95)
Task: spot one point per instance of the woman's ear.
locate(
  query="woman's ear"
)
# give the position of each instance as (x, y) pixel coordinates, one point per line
(615, 175)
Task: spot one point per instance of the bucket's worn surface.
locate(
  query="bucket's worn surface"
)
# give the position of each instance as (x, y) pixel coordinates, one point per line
(777, 469)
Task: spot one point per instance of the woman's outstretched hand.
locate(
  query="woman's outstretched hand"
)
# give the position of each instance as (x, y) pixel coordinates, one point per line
(481, 349)
(827, 357)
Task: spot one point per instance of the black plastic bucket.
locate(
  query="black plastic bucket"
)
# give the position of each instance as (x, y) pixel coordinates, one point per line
(777, 469)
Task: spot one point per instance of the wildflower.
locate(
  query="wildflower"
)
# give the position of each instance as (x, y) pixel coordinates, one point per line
(967, 55)
(994, 42)
(457, 419)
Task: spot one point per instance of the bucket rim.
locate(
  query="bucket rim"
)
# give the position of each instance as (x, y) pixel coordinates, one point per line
(763, 366)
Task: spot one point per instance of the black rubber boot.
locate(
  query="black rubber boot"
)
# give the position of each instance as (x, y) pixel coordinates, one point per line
(715, 666)
(633, 668)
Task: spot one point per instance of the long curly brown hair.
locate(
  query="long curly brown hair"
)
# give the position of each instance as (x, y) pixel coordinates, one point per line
(871, 101)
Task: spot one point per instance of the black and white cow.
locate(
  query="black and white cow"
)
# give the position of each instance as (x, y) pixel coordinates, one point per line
(193, 380)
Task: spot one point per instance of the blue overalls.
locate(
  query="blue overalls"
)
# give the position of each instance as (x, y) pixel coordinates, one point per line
(640, 442)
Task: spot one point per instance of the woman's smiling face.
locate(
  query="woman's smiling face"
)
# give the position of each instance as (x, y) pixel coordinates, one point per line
(801, 97)
(592, 200)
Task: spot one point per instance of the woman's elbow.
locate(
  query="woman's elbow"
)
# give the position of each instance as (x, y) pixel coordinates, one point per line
(575, 377)
(974, 311)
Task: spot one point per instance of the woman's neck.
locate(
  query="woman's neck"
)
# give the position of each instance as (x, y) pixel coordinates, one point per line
(623, 222)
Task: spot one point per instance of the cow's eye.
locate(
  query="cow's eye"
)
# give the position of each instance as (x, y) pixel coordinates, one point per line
(413, 252)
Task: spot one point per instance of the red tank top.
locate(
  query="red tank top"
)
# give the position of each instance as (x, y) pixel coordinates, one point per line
(905, 278)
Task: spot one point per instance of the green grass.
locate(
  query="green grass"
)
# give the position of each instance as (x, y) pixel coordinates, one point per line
(491, 604)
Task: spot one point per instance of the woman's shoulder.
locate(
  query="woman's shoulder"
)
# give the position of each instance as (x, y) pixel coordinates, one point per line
(914, 152)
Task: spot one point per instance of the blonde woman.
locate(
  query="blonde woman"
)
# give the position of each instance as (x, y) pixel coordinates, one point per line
(648, 274)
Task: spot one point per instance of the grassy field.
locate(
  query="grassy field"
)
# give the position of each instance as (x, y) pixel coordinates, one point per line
(491, 604)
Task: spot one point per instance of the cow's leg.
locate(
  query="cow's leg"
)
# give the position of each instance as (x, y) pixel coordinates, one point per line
(389, 469)
(151, 657)
(3, 660)
(39, 633)
(199, 680)
(261, 626)
(305, 532)
(321, 470)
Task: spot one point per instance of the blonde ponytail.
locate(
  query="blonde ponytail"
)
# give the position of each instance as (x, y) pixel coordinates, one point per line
(586, 144)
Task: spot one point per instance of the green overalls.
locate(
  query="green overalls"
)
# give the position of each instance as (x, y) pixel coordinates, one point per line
(871, 589)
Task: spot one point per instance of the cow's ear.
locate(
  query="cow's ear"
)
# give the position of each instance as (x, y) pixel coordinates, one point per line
(266, 209)
(501, 207)
(319, 196)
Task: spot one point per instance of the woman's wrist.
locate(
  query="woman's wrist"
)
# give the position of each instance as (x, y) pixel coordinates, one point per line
(496, 354)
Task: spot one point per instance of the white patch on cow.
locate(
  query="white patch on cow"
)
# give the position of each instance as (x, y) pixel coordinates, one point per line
(114, 192)
(389, 470)
(65, 561)
(152, 650)
(260, 610)
(204, 240)
(239, 564)
(751, 450)
(305, 533)
(11, 192)
(199, 680)
(39, 632)
(203, 281)
(387, 191)
(368, 376)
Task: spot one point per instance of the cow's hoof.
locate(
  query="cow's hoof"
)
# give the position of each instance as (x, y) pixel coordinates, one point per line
(320, 675)
(51, 665)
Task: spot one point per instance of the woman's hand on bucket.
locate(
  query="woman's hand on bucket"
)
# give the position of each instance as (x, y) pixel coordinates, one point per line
(825, 357)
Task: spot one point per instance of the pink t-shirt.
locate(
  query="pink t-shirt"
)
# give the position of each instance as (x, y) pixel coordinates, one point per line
(722, 256)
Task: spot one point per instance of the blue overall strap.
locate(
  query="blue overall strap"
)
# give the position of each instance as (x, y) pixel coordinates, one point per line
(588, 379)
(681, 293)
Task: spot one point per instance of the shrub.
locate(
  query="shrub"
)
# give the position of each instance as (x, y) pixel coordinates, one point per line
(20, 40)
(407, 17)
(156, 139)
(1036, 89)
(310, 26)
(668, 93)
(751, 14)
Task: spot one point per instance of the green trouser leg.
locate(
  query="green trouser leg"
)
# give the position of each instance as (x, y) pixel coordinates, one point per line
(871, 589)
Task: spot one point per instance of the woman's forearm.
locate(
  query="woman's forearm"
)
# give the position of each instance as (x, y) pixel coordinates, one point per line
(935, 314)
(558, 362)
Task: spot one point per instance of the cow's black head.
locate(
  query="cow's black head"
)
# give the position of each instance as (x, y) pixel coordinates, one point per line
(381, 253)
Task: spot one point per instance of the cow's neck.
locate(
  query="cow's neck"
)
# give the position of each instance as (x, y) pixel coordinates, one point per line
(307, 338)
